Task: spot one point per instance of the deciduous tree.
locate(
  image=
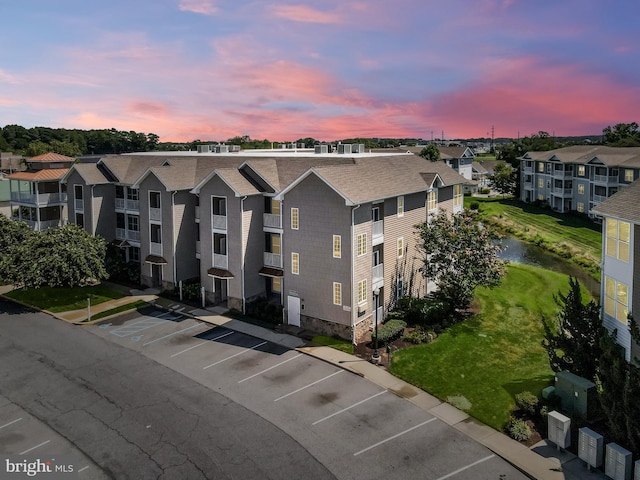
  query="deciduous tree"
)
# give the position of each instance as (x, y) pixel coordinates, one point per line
(459, 253)
(430, 152)
(504, 179)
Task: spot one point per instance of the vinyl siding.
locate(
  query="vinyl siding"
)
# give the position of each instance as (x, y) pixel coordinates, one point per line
(254, 247)
(186, 226)
(322, 214)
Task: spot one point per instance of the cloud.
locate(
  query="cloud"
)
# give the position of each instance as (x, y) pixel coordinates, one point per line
(203, 7)
(304, 14)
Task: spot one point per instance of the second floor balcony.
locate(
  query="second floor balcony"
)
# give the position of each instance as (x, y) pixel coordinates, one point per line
(221, 261)
(605, 179)
(155, 248)
(272, 260)
(378, 232)
(219, 222)
(39, 199)
(125, 234)
(271, 220)
(377, 276)
(126, 204)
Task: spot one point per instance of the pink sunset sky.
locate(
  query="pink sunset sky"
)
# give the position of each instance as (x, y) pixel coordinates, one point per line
(327, 69)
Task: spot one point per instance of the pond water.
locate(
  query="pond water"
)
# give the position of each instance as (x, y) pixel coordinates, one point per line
(518, 251)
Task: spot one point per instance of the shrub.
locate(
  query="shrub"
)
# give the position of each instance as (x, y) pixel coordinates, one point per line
(485, 191)
(389, 331)
(418, 335)
(527, 402)
(474, 205)
(518, 429)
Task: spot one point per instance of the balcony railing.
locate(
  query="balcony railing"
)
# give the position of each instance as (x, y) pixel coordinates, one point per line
(197, 247)
(39, 199)
(605, 178)
(39, 226)
(155, 214)
(155, 248)
(378, 232)
(220, 261)
(219, 222)
(598, 198)
(562, 191)
(562, 173)
(133, 205)
(272, 260)
(272, 220)
(197, 213)
(120, 203)
(124, 234)
(78, 204)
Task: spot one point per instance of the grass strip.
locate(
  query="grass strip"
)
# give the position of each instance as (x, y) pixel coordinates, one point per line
(122, 308)
(60, 299)
(337, 343)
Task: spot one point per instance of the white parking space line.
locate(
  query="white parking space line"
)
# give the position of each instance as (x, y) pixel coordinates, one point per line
(348, 408)
(310, 385)
(33, 448)
(83, 469)
(171, 334)
(393, 437)
(467, 467)
(203, 343)
(271, 368)
(235, 355)
(10, 423)
(136, 327)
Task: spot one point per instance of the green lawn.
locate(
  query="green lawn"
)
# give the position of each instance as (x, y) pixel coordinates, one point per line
(120, 309)
(337, 343)
(569, 235)
(63, 299)
(495, 354)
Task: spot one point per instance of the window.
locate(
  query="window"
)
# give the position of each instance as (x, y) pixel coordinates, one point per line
(132, 194)
(540, 183)
(580, 207)
(457, 195)
(362, 291)
(276, 284)
(541, 166)
(295, 263)
(432, 200)
(134, 254)
(156, 233)
(337, 246)
(362, 244)
(295, 219)
(80, 219)
(400, 206)
(400, 247)
(541, 197)
(581, 170)
(618, 238)
(581, 188)
(548, 183)
(628, 175)
(133, 223)
(154, 199)
(77, 190)
(616, 301)
(275, 207)
(337, 293)
(219, 206)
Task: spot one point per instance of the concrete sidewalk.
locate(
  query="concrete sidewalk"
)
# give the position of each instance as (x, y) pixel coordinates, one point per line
(543, 461)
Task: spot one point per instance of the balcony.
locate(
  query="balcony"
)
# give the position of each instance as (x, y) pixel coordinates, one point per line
(378, 232)
(197, 213)
(130, 205)
(562, 173)
(155, 214)
(378, 276)
(219, 222)
(197, 248)
(220, 261)
(605, 179)
(563, 192)
(271, 220)
(272, 260)
(598, 198)
(155, 248)
(527, 168)
(40, 226)
(78, 204)
(40, 199)
(124, 234)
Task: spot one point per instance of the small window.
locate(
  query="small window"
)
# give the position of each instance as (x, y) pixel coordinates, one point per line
(77, 189)
(628, 175)
(457, 195)
(276, 285)
(362, 291)
(80, 219)
(134, 254)
(337, 293)
(580, 207)
(133, 223)
(541, 197)
(432, 200)
(295, 263)
(337, 246)
(581, 170)
(581, 188)
(541, 166)
(362, 244)
(156, 233)
(401, 206)
(400, 247)
(540, 183)
(295, 219)
(154, 199)
(132, 193)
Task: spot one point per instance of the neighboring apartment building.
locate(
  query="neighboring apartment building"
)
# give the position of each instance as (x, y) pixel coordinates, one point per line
(330, 236)
(621, 263)
(577, 178)
(459, 159)
(37, 195)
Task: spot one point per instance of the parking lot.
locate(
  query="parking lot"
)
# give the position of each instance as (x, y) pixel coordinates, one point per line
(22, 435)
(352, 426)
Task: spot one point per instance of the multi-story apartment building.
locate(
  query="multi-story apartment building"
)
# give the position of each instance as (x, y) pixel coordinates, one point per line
(330, 236)
(621, 264)
(37, 195)
(577, 178)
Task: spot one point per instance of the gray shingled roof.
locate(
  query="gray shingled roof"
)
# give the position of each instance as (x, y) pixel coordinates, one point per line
(90, 173)
(625, 204)
(610, 156)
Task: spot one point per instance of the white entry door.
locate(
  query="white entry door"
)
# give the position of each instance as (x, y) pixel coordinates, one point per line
(293, 311)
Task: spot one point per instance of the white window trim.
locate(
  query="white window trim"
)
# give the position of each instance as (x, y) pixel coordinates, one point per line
(297, 210)
(364, 250)
(400, 243)
(297, 256)
(362, 287)
(339, 286)
(333, 246)
(400, 206)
